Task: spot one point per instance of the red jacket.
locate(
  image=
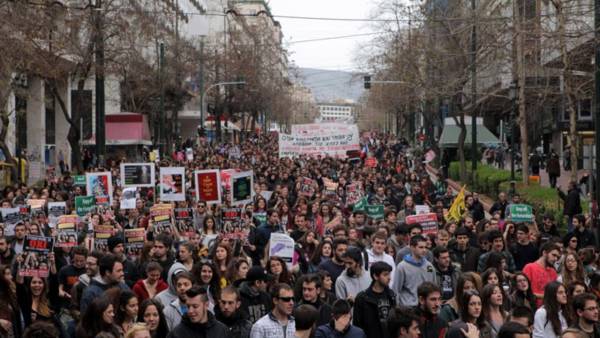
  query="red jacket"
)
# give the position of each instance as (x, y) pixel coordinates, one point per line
(140, 289)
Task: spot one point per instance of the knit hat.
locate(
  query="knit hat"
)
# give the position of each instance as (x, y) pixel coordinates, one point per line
(113, 241)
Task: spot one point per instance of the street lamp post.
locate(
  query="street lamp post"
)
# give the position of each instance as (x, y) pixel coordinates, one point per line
(512, 92)
(203, 98)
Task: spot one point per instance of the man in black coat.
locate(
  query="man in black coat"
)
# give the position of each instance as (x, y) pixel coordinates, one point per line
(572, 202)
(198, 321)
(228, 312)
(311, 289)
(373, 305)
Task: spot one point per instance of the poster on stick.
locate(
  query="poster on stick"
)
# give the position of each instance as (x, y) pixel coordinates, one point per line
(35, 256)
(134, 241)
(208, 186)
(282, 246)
(429, 222)
(100, 186)
(137, 175)
(67, 234)
(172, 183)
(241, 188)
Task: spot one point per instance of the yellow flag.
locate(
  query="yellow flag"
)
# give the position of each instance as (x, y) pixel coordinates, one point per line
(458, 207)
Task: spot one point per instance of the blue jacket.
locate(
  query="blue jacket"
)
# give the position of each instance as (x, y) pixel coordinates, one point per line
(96, 289)
(328, 331)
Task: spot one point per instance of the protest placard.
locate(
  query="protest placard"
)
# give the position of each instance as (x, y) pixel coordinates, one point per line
(520, 213)
(307, 187)
(128, 198)
(101, 235)
(353, 194)
(79, 180)
(66, 231)
(35, 256)
(137, 174)
(161, 217)
(282, 246)
(84, 205)
(208, 186)
(422, 209)
(10, 218)
(319, 139)
(375, 211)
(100, 186)
(184, 221)
(428, 222)
(134, 241)
(55, 210)
(172, 183)
(242, 187)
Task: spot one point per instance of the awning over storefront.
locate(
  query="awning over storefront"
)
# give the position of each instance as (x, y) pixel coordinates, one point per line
(449, 138)
(125, 129)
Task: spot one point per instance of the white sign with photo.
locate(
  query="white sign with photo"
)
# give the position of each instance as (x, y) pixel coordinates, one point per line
(137, 175)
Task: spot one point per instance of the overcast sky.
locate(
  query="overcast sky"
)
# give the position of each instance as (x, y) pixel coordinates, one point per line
(331, 54)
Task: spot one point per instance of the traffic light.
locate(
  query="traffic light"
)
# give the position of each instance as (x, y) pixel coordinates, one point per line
(367, 81)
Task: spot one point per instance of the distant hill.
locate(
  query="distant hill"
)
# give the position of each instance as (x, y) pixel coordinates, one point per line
(331, 85)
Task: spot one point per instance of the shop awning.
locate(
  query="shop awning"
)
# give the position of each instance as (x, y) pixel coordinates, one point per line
(125, 129)
(449, 138)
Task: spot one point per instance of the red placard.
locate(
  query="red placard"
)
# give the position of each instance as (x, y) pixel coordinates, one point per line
(371, 162)
(427, 221)
(208, 187)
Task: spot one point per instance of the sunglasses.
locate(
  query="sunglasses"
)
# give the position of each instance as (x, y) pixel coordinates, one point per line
(286, 299)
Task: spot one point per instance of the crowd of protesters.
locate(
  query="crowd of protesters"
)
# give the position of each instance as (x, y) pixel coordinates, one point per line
(479, 276)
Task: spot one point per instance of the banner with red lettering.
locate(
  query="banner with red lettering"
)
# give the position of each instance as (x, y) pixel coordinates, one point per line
(35, 256)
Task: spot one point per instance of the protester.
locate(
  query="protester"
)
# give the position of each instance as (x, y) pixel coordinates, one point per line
(341, 325)
(413, 271)
(228, 312)
(324, 225)
(305, 317)
(198, 321)
(373, 306)
(278, 323)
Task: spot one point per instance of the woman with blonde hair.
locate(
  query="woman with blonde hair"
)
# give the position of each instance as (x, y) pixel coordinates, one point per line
(138, 330)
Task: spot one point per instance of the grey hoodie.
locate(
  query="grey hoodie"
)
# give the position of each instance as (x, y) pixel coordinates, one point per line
(346, 286)
(407, 278)
(167, 296)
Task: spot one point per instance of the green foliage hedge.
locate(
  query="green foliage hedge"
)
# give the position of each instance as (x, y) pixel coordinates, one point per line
(487, 178)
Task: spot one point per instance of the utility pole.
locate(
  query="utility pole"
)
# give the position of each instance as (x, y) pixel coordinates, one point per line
(474, 93)
(100, 100)
(597, 95)
(201, 85)
(161, 128)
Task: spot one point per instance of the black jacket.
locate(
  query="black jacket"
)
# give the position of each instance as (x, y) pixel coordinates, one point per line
(431, 327)
(255, 304)
(499, 206)
(466, 259)
(324, 311)
(366, 312)
(211, 329)
(237, 325)
(572, 202)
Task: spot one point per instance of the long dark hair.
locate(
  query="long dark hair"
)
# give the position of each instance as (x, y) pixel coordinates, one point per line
(486, 295)
(91, 321)
(124, 298)
(519, 297)
(316, 256)
(162, 330)
(214, 285)
(552, 306)
(464, 308)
